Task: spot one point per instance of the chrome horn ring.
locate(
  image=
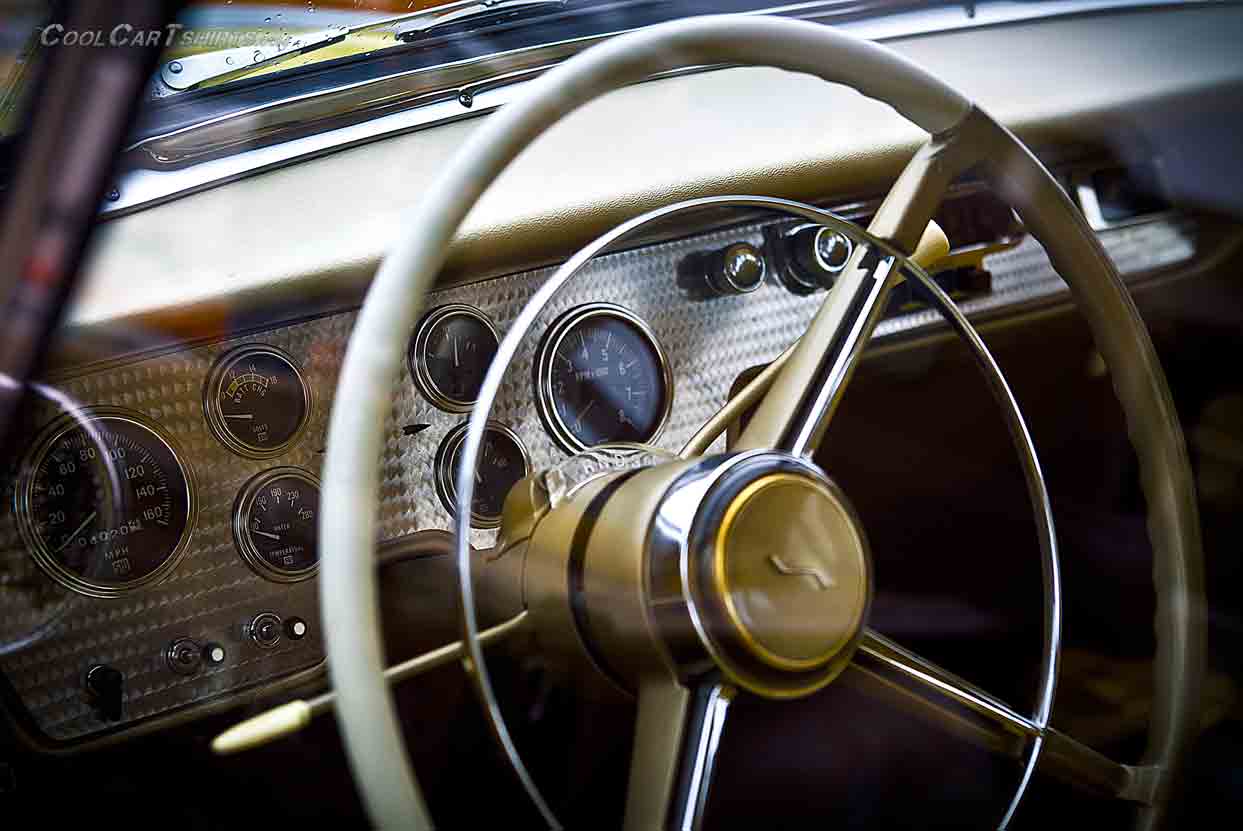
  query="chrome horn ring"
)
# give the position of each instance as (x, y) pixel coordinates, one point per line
(528, 317)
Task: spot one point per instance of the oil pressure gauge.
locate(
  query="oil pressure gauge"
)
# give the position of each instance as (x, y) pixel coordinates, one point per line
(275, 524)
(256, 401)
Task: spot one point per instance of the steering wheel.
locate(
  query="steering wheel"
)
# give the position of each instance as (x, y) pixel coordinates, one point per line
(661, 560)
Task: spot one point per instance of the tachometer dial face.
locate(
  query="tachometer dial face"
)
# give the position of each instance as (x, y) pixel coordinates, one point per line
(601, 376)
(276, 524)
(450, 354)
(105, 504)
(256, 401)
(502, 464)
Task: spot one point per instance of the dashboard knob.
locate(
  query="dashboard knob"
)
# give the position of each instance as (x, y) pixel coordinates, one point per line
(105, 686)
(265, 629)
(735, 269)
(814, 256)
(184, 656)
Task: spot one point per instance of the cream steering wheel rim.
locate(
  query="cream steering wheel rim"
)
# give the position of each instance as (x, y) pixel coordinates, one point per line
(374, 359)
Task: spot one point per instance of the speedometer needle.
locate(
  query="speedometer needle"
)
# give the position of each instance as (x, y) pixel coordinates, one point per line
(266, 534)
(77, 531)
(246, 416)
(579, 418)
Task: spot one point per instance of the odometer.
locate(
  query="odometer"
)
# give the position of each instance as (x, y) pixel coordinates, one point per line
(601, 376)
(105, 504)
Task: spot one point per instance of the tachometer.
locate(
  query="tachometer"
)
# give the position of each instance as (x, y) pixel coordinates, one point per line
(601, 376)
(105, 504)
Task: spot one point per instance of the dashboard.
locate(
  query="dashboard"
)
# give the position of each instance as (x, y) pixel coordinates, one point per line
(158, 544)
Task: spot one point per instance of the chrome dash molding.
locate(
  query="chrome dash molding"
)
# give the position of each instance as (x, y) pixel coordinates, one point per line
(189, 160)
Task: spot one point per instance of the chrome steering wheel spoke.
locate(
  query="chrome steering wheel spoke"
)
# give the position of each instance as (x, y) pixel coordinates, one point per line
(677, 735)
(797, 409)
(948, 701)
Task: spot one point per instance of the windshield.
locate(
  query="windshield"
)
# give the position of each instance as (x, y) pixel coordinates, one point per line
(276, 28)
(228, 40)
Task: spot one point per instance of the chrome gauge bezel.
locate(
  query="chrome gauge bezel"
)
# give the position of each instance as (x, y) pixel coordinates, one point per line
(244, 505)
(416, 354)
(545, 400)
(215, 416)
(446, 477)
(23, 494)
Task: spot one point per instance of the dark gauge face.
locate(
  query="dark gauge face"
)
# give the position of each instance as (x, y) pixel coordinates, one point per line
(276, 524)
(105, 504)
(256, 401)
(502, 463)
(602, 377)
(450, 353)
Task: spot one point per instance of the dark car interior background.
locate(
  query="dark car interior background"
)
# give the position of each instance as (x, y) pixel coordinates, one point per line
(161, 572)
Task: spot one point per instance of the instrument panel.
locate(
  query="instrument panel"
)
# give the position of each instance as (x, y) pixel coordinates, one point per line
(188, 577)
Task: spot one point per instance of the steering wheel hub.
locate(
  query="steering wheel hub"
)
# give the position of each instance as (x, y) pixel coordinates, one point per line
(790, 570)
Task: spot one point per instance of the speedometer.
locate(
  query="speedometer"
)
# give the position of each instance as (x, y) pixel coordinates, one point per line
(601, 376)
(105, 504)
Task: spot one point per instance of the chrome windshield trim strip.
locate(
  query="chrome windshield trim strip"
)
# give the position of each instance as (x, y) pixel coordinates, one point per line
(143, 187)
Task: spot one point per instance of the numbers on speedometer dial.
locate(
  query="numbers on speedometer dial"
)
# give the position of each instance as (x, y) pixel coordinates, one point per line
(105, 504)
(601, 376)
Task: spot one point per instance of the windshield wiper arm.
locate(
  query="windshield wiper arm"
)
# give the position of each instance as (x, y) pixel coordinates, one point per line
(191, 71)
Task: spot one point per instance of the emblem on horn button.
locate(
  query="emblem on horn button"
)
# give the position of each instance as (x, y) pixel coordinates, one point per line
(791, 571)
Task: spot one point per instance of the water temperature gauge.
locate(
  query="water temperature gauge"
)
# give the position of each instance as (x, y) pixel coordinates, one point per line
(275, 524)
(256, 401)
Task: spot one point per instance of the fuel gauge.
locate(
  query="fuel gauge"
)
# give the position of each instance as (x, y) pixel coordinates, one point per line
(502, 463)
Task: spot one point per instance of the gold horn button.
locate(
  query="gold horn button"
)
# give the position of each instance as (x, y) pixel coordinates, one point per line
(791, 570)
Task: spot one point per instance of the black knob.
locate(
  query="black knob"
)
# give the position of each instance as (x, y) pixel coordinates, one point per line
(815, 255)
(105, 686)
(184, 656)
(735, 269)
(295, 628)
(265, 629)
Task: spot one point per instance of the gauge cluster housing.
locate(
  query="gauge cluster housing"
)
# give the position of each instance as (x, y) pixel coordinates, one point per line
(235, 613)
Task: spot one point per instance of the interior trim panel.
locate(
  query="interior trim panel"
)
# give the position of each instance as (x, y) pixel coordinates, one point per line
(214, 597)
(283, 262)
